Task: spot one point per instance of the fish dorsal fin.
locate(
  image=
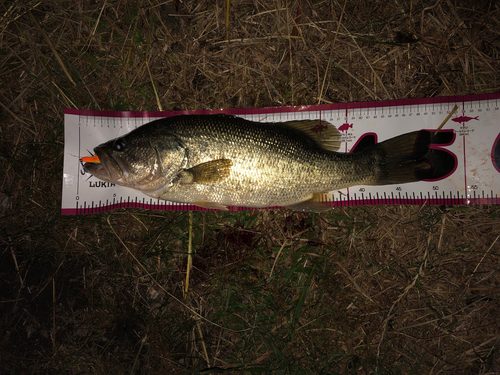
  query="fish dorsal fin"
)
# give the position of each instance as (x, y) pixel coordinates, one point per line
(322, 132)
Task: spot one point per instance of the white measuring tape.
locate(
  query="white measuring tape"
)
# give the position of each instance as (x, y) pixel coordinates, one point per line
(472, 139)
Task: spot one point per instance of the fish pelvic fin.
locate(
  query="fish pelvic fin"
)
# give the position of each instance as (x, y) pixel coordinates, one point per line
(207, 173)
(410, 158)
(211, 205)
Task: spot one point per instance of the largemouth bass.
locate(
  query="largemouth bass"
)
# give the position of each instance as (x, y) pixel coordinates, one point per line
(215, 161)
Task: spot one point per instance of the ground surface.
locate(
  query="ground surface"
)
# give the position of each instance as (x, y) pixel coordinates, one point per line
(394, 289)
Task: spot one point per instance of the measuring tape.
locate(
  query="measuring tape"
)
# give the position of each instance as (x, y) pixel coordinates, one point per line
(474, 145)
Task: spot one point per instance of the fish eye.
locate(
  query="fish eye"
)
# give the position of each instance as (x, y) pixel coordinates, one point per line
(119, 144)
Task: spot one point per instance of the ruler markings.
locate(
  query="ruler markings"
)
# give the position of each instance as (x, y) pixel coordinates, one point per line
(383, 119)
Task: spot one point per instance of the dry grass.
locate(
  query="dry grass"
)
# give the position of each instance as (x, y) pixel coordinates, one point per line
(357, 290)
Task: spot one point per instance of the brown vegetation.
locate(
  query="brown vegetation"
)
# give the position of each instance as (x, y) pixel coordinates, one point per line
(363, 290)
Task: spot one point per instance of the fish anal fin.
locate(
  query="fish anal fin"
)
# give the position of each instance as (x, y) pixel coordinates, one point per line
(313, 204)
(322, 132)
(207, 173)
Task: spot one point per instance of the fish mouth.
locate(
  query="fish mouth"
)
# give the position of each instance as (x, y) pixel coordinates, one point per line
(109, 168)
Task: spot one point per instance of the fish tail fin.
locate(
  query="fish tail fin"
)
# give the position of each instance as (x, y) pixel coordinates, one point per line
(410, 158)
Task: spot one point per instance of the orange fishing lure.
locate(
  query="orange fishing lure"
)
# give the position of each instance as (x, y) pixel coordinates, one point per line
(91, 159)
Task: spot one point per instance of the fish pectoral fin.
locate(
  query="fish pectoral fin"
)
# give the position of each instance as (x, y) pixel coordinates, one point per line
(314, 204)
(207, 173)
(211, 205)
